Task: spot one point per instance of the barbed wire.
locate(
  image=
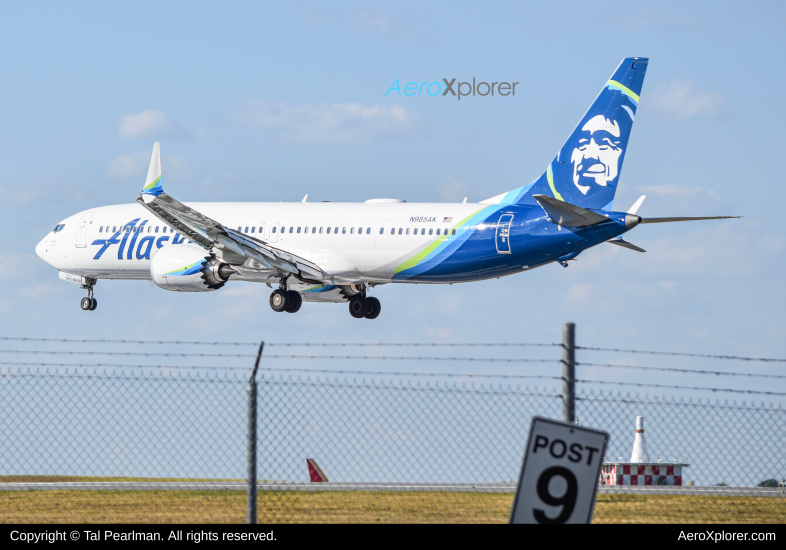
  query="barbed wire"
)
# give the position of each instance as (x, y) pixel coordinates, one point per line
(274, 356)
(288, 344)
(676, 353)
(645, 385)
(282, 369)
(670, 369)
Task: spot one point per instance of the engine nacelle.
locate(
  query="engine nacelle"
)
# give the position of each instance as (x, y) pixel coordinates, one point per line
(188, 268)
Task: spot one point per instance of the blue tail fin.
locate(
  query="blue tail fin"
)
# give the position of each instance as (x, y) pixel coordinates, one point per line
(586, 170)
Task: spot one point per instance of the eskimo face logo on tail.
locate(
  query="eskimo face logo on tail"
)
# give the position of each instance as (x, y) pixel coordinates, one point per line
(598, 153)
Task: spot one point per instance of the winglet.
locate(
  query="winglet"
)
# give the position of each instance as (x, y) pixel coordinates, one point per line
(153, 186)
(314, 472)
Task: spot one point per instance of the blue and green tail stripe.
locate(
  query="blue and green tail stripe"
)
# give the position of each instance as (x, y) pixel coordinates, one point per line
(444, 245)
(154, 188)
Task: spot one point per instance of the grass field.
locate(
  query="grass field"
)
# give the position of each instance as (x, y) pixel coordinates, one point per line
(359, 507)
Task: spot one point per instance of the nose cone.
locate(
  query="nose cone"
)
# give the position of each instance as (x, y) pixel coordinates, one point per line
(41, 250)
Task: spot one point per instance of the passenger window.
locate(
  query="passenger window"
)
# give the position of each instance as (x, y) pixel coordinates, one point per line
(368, 231)
(400, 230)
(239, 229)
(252, 229)
(261, 228)
(314, 230)
(454, 231)
(381, 230)
(335, 231)
(298, 229)
(423, 231)
(305, 230)
(328, 231)
(274, 229)
(351, 230)
(343, 230)
(291, 228)
(114, 229)
(100, 229)
(407, 230)
(320, 230)
(431, 231)
(437, 231)
(360, 230)
(392, 230)
(156, 229)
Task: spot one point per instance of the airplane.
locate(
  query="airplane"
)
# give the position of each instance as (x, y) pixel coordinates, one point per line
(315, 472)
(341, 252)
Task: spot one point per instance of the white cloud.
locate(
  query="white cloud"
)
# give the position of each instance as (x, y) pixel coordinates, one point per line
(681, 99)
(648, 16)
(580, 292)
(378, 23)
(374, 22)
(15, 265)
(679, 191)
(129, 165)
(40, 190)
(150, 124)
(331, 124)
(452, 189)
(135, 165)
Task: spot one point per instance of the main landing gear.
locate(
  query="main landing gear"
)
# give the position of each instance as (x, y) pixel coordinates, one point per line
(89, 303)
(285, 300)
(360, 307)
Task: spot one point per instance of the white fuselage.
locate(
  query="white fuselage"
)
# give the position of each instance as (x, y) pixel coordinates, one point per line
(350, 241)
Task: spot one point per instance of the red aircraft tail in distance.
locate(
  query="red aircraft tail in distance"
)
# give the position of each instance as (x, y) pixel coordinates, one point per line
(315, 472)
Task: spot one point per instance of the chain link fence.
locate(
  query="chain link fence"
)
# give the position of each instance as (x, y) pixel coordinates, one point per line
(162, 444)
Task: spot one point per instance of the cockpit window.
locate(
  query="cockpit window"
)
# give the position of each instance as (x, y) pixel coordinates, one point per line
(58, 227)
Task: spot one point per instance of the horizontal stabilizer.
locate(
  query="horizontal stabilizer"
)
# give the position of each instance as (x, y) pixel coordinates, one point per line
(625, 244)
(665, 220)
(564, 213)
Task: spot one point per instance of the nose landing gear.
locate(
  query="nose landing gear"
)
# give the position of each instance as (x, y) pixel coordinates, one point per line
(89, 303)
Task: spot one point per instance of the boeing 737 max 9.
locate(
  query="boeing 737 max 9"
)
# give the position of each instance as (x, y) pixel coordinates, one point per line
(339, 252)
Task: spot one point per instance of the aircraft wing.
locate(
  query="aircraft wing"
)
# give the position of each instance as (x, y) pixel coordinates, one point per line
(237, 249)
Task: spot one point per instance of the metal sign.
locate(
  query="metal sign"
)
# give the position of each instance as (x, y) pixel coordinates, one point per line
(559, 477)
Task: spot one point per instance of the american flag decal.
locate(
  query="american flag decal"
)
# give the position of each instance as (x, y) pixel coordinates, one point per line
(447, 220)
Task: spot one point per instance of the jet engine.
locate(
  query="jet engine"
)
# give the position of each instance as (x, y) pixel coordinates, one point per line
(188, 268)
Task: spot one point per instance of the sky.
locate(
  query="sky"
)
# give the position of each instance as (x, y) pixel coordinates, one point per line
(271, 101)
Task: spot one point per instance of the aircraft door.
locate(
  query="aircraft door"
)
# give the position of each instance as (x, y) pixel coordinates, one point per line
(503, 233)
(261, 226)
(81, 229)
(274, 229)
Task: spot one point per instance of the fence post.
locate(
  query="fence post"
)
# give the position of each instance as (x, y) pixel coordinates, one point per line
(568, 372)
(251, 490)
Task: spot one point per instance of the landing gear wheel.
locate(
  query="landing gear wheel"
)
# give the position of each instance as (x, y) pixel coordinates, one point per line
(278, 300)
(373, 307)
(294, 301)
(93, 304)
(357, 307)
(86, 303)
